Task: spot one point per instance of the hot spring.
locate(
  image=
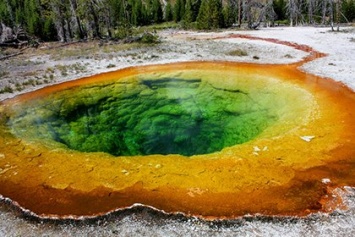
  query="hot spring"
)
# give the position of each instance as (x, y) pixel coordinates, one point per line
(168, 115)
(210, 139)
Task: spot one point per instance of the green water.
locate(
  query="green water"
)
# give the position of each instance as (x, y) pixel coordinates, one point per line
(142, 117)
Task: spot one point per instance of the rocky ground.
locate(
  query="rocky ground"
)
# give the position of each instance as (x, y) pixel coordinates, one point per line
(56, 63)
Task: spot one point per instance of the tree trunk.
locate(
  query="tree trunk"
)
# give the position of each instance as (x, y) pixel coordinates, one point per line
(63, 30)
(338, 14)
(331, 14)
(293, 9)
(59, 19)
(74, 7)
(240, 13)
(324, 11)
(96, 20)
(247, 12)
(310, 12)
(108, 23)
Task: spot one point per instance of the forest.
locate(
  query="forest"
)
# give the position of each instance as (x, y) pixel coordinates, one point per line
(67, 20)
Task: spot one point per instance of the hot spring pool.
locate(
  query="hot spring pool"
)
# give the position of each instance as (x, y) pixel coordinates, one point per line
(208, 139)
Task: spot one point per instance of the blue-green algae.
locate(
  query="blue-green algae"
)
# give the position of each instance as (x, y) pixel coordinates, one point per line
(146, 116)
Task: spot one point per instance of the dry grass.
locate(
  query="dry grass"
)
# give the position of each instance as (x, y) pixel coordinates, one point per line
(91, 49)
(6, 89)
(288, 56)
(4, 73)
(238, 53)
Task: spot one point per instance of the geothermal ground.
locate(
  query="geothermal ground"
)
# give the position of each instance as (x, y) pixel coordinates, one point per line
(55, 63)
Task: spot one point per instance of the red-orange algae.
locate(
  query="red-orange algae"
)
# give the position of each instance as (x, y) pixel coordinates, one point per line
(28, 170)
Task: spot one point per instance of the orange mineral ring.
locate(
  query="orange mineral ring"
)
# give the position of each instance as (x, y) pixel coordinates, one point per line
(296, 136)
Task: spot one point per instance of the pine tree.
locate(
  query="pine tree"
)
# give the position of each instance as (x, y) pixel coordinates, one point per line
(156, 11)
(6, 13)
(216, 14)
(210, 15)
(351, 11)
(19, 16)
(168, 13)
(137, 17)
(49, 30)
(32, 17)
(203, 18)
(188, 16)
(124, 16)
(179, 10)
(230, 13)
(141, 11)
(348, 11)
(196, 4)
(280, 9)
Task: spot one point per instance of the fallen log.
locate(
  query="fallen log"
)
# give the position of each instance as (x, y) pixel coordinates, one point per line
(10, 56)
(9, 45)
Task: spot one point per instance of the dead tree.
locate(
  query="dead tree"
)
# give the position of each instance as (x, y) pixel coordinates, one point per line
(325, 4)
(256, 11)
(240, 13)
(6, 34)
(329, 7)
(59, 11)
(293, 8)
(14, 38)
(337, 12)
(270, 13)
(311, 8)
(93, 10)
(73, 8)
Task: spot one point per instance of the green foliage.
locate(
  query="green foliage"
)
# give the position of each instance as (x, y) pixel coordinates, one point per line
(4, 73)
(6, 89)
(5, 14)
(203, 17)
(280, 9)
(32, 17)
(230, 13)
(148, 38)
(188, 16)
(216, 14)
(238, 52)
(79, 19)
(348, 10)
(157, 12)
(210, 15)
(155, 27)
(122, 32)
(138, 13)
(49, 31)
(168, 14)
(196, 4)
(179, 10)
